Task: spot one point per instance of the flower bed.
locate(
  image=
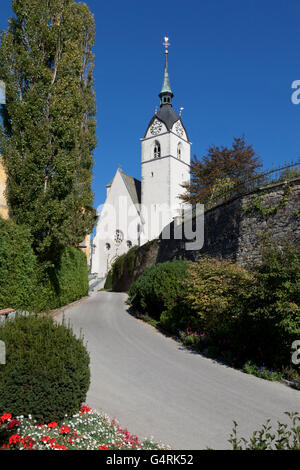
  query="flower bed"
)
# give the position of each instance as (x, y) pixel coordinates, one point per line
(87, 430)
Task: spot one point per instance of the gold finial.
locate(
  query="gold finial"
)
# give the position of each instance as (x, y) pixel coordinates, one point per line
(166, 44)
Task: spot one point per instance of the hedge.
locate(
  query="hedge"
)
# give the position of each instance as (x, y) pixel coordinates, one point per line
(26, 285)
(47, 371)
(18, 267)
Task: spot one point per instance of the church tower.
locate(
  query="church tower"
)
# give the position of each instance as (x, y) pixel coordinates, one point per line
(166, 157)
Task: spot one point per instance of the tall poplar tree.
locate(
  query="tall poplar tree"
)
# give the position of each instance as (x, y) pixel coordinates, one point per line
(48, 132)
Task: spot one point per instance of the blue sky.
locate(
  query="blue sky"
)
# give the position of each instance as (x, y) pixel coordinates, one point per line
(231, 67)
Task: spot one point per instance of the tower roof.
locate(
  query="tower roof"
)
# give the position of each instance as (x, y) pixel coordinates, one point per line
(166, 88)
(166, 113)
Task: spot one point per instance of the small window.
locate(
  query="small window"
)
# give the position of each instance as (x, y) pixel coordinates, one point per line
(156, 150)
(107, 246)
(179, 150)
(129, 244)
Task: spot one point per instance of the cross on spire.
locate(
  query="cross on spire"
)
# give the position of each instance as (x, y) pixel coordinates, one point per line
(166, 94)
(166, 44)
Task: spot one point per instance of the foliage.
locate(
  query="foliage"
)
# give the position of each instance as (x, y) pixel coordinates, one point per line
(262, 372)
(238, 164)
(271, 319)
(123, 269)
(25, 285)
(18, 267)
(48, 132)
(64, 282)
(47, 369)
(214, 292)
(108, 282)
(283, 438)
(221, 190)
(86, 430)
(256, 203)
(158, 288)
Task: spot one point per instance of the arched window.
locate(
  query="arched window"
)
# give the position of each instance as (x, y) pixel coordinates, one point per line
(179, 150)
(156, 151)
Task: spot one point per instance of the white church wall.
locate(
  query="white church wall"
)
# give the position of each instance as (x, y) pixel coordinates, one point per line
(118, 214)
(148, 146)
(180, 174)
(185, 148)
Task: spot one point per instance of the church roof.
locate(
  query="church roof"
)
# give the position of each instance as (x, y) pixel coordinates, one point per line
(133, 186)
(168, 116)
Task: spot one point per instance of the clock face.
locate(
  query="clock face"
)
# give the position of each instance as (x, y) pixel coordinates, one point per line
(156, 127)
(179, 129)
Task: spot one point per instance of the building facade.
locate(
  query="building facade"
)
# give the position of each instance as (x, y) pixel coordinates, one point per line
(137, 211)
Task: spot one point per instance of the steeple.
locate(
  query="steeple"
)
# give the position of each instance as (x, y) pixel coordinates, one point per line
(166, 94)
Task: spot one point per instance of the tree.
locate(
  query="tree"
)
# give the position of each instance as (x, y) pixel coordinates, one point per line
(222, 169)
(48, 132)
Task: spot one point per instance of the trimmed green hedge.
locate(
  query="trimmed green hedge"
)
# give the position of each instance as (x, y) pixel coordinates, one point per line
(25, 285)
(64, 283)
(18, 267)
(47, 370)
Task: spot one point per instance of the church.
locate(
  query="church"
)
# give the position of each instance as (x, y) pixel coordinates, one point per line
(136, 212)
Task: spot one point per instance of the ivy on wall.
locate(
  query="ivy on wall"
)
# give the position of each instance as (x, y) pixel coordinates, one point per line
(256, 202)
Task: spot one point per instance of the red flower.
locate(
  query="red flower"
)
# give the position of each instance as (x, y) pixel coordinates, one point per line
(6, 417)
(60, 447)
(64, 429)
(103, 448)
(14, 439)
(13, 423)
(28, 442)
(52, 425)
(84, 409)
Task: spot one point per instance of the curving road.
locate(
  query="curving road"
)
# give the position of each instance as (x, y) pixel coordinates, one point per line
(154, 387)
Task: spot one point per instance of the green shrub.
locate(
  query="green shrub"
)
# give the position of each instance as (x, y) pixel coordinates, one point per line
(283, 438)
(159, 288)
(108, 281)
(124, 267)
(271, 319)
(47, 369)
(65, 282)
(214, 293)
(18, 267)
(262, 372)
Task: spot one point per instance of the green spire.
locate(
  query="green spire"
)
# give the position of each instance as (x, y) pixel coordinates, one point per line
(166, 93)
(166, 88)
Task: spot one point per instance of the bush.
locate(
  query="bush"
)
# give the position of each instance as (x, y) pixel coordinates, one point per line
(159, 288)
(214, 293)
(65, 282)
(271, 320)
(108, 283)
(26, 285)
(267, 438)
(18, 267)
(262, 372)
(47, 369)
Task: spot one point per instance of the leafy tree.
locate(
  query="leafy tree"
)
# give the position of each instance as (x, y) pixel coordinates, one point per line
(234, 166)
(48, 132)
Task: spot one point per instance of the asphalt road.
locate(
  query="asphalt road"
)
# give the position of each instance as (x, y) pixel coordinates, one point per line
(154, 387)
